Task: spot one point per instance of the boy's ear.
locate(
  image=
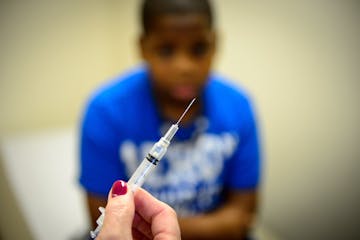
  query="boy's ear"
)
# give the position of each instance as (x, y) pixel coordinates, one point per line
(214, 41)
(141, 43)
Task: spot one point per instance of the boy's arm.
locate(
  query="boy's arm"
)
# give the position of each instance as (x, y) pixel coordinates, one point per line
(231, 221)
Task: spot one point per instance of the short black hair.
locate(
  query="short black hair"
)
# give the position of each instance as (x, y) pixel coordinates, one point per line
(151, 9)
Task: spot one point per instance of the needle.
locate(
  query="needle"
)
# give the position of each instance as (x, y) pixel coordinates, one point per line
(185, 111)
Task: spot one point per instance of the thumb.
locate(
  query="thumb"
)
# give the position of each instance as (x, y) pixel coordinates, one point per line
(119, 213)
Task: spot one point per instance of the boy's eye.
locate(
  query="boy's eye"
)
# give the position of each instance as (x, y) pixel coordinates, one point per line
(199, 49)
(165, 50)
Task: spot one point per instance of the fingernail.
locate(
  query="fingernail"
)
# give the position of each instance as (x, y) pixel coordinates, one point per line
(119, 188)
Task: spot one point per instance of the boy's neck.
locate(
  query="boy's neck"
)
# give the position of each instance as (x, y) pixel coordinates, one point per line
(174, 111)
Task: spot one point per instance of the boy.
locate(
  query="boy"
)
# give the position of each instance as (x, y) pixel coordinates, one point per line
(210, 173)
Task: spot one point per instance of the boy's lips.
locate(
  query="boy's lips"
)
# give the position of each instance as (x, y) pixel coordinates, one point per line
(185, 92)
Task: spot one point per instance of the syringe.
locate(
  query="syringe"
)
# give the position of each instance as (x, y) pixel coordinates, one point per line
(148, 164)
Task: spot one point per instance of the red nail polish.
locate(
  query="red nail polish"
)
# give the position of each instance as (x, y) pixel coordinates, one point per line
(119, 188)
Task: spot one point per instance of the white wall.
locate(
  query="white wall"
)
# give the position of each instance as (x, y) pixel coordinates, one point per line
(298, 59)
(53, 53)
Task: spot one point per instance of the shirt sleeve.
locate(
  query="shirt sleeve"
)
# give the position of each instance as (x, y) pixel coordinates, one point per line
(243, 171)
(99, 160)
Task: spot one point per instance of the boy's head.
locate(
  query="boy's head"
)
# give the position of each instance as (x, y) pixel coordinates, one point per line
(178, 44)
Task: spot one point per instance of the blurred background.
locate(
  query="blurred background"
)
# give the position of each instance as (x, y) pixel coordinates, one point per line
(299, 60)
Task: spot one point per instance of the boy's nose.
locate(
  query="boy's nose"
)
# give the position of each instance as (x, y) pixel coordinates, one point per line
(184, 64)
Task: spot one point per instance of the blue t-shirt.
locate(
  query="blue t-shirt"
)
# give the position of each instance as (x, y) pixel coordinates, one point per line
(218, 151)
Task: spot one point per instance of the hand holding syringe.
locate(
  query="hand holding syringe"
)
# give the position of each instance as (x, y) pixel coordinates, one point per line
(147, 165)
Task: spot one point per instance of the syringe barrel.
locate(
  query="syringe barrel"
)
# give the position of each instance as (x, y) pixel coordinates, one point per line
(140, 174)
(148, 164)
(136, 181)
